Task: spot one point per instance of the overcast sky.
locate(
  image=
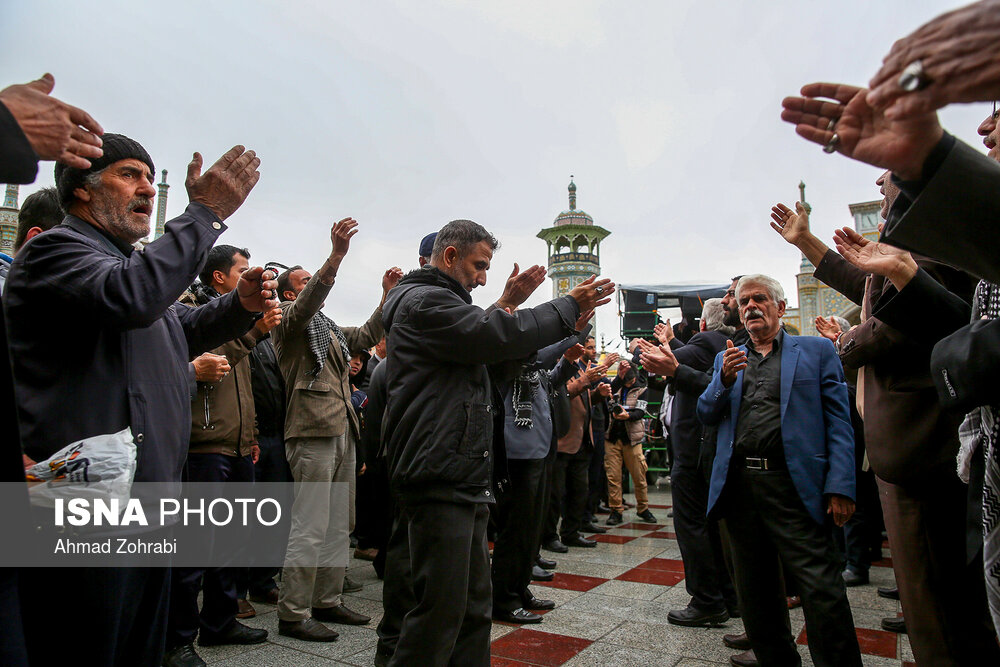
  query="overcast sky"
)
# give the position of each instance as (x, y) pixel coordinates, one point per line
(405, 115)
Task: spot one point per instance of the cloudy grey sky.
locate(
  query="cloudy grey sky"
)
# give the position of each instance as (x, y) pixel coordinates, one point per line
(405, 115)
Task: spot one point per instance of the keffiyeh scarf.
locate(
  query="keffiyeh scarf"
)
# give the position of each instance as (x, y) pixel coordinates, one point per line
(525, 387)
(318, 339)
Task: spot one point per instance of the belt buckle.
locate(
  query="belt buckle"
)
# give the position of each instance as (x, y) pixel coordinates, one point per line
(756, 463)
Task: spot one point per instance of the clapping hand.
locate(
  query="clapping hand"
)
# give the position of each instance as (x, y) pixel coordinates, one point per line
(520, 285)
(581, 321)
(663, 332)
(873, 257)
(734, 360)
(592, 292)
(659, 360)
(391, 278)
(574, 353)
(828, 328)
(791, 226)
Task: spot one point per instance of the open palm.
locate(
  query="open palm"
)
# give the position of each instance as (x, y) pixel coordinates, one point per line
(869, 256)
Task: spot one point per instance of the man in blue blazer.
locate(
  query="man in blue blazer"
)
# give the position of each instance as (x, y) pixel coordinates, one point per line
(784, 460)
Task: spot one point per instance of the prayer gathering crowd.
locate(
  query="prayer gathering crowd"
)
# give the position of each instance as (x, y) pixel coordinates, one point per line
(455, 427)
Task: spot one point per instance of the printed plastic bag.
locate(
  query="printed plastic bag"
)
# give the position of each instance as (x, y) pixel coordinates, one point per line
(101, 466)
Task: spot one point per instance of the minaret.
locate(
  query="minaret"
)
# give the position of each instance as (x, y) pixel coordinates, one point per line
(8, 220)
(161, 205)
(574, 246)
(808, 285)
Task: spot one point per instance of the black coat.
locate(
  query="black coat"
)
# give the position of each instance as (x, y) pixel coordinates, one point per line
(99, 343)
(685, 429)
(439, 419)
(268, 389)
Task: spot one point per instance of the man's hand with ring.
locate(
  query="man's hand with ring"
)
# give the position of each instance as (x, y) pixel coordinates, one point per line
(587, 294)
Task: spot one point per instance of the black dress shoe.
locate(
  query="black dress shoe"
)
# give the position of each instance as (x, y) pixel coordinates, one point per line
(592, 528)
(614, 519)
(545, 563)
(236, 633)
(889, 593)
(852, 578)
(340, 614)
(529, 601)
(603, 509)
(309, 630)
(647, 516)
(696, 618)
(578, 541)
(538, 574)
(739, 642)
(519, 615)
(893, 624)
(182, 656)
(555, 545)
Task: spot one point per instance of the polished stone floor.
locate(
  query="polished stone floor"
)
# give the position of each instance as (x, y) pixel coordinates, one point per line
(612, 605)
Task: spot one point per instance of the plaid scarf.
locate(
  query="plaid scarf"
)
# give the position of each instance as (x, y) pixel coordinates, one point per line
(318, 339)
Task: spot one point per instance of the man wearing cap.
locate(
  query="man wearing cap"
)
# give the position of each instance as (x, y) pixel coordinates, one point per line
(426, 248)
(125, 365)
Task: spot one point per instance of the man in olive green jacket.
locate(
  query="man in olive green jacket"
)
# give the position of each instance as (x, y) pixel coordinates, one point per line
(320, 431)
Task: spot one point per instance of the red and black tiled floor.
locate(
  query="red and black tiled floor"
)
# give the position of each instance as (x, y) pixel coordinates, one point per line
(611, 609)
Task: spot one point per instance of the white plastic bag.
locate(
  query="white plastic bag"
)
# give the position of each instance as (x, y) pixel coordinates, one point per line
(101, 466)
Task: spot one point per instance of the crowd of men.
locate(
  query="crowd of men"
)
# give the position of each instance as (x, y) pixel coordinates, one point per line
(452, 426)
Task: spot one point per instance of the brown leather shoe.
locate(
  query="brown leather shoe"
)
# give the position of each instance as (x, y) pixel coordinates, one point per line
(245, 609)
(340, 614)
(747, 659)
(739, 642)
(308, 629)
(270, 597)
(365, 554)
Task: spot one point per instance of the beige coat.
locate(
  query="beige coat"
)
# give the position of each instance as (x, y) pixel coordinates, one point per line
(318, 406)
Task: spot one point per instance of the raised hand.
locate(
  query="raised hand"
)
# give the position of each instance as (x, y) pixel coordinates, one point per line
(960, 56)
(257, 290)
(210, 367)
(791, 225)
(881, 259)
(659, 360)
(734, 360)
(604, 389)
(574, 353)
(520, 285)
(340, 237)
(391, 278)
(595, 373)
(55, 130)
(864, 133)
(227, 183)
(611, 359)
(581, 321)
(663, 332)
(271, 319)
(592, 292)
(828, 328)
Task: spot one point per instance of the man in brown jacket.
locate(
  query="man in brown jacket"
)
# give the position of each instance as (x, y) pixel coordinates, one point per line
(223, 449)
(911, 444)
(320, 431)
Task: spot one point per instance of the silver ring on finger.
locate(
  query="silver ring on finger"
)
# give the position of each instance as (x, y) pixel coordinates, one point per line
(599, 290)
(913, 77)
(831, 124)
(831, 145)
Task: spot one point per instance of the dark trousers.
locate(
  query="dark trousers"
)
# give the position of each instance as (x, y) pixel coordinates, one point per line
(437, 603)
(769, 526)
(374, 511)
(568, 495)
(272, 466)
(597, 480)
(517, 514)
(545, 501)
(941, 591)
(123, 620)
(863, 531)
(12, 649)
(217, 584)
(705, 575)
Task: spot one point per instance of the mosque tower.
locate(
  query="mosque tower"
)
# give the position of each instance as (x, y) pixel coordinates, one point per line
(161, 205)
(8, 220)
(574, 247)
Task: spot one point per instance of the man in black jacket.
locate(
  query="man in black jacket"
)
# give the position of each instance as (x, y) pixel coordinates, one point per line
(439, 427)
(129, 357)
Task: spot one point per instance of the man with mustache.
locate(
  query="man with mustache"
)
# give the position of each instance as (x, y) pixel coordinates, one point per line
(126, 364)
(784, 459)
